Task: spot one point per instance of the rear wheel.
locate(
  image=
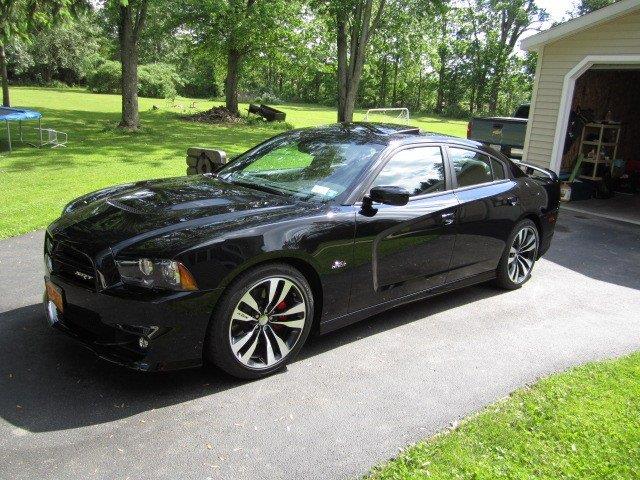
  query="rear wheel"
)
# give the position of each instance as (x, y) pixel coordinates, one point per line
(519, 257)
(261, 322)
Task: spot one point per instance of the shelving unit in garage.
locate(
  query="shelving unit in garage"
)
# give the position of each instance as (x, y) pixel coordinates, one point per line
(605, 146)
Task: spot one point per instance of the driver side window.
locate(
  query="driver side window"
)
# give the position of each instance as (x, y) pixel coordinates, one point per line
(418, 170)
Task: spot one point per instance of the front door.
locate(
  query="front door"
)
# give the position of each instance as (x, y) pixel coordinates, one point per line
(400, 250)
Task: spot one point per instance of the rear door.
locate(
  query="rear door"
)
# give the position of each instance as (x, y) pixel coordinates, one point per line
(400, 250)
(490, 205)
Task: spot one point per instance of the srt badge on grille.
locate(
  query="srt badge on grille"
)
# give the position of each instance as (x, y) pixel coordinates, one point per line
(83, 276)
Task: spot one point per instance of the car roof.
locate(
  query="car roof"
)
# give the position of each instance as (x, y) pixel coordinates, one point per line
(387, 133)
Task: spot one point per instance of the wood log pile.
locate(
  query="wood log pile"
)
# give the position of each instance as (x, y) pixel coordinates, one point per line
(204, 160)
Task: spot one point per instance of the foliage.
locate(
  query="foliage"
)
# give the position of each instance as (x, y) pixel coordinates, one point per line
(36, 183)
(106, 78)
(452, 58)
(20, 19)
(156, 80)
(234, 30)
(583, 424)
(587, 6)
(67, 52)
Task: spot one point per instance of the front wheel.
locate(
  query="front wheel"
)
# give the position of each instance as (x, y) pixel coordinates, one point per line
(520, 254)
(261, 322)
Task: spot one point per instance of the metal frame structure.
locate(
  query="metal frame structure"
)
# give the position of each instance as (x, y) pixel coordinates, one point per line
(403, 113)
(20, 115)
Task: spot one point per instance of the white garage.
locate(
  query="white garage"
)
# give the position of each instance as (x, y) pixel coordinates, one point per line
(584, 121)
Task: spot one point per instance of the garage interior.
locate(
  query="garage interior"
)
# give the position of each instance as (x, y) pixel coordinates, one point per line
(601, 157)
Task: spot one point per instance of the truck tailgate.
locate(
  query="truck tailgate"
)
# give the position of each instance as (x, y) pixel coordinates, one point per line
(504, 131)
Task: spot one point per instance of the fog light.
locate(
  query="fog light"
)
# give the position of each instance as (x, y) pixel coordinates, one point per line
(143, 342)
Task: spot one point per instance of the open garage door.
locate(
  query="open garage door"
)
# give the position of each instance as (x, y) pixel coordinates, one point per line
(601, 154)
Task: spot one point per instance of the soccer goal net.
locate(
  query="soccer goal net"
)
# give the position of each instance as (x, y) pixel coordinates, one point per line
(387, 115)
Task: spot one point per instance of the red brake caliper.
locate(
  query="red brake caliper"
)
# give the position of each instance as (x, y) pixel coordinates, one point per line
(281, 307)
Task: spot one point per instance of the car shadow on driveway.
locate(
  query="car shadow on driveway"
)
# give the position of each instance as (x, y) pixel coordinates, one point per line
(605, 250)
(50, 383)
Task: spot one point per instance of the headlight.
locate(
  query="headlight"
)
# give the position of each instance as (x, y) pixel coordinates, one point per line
(158, 274)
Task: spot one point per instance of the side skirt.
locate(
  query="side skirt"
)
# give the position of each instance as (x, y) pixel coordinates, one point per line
(344, 320)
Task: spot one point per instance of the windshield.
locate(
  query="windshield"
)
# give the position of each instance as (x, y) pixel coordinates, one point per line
(310, 165)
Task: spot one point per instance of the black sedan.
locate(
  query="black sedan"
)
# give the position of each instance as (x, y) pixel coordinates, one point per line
(313, 229)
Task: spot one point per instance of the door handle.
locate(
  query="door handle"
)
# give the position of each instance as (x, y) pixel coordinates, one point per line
(448, 218)
(513, 201)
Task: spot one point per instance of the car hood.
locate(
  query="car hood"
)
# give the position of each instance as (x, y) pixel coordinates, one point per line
(121, 216)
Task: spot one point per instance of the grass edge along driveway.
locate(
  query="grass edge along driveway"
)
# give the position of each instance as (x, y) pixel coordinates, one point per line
(580, 424)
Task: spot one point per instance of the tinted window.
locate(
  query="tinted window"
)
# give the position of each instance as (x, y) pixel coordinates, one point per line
(472, 168)
(522, 112)
(419, 170)
(498, 170)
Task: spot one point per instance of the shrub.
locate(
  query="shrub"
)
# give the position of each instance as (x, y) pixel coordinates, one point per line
(105, 78)
(156, 80)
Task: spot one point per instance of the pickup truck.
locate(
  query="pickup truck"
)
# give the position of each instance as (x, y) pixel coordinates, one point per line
(503, 133)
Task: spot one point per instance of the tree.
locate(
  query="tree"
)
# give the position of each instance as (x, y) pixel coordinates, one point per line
(355, 22)
(131, 19)
(513, 18)
(67, 51)
(20, 19)
(588, 6)
(236, 30)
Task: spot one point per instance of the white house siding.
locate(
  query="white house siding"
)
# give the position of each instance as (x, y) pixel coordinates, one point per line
(617, 37)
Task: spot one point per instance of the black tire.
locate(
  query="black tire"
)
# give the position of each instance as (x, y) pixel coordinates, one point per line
(218, 348)
(503, 278)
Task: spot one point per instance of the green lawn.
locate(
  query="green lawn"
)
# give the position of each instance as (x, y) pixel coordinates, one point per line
(36, 183)
(582, 424)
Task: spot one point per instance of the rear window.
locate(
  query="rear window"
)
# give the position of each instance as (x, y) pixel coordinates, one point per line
(498, 169)
(522, 112)
(471, 168)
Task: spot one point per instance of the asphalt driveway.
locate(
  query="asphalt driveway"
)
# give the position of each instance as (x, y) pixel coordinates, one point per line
(351, 400)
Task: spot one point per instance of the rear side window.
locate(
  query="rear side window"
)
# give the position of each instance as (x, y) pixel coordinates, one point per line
(419, 170)
(522, 112)
(498, 169)
(472, 168)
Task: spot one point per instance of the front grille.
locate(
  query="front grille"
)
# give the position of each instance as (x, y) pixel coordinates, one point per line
(73, 265)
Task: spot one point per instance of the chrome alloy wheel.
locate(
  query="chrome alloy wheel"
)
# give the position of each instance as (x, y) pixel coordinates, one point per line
(267, 322)
(522, 254)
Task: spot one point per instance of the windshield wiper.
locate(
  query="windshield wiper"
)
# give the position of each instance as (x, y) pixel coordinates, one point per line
(256, 186)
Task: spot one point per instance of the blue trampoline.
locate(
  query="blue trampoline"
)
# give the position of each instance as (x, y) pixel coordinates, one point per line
(19, 115)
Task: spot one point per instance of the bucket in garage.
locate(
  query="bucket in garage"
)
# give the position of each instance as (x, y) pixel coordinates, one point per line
(565, 191)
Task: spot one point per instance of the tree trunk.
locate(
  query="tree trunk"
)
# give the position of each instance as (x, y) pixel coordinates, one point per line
(441, 74)
(128, 33)
(342, 70)
(231, 81)
(494, 90)
(394, 97)
(383, 83)
(352, 51)
(419, 98)
(6, 102)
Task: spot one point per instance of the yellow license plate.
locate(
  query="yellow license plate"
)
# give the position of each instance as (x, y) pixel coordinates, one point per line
(54, 293)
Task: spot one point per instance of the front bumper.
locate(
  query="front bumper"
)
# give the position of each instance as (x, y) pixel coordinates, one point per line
(111, 323)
